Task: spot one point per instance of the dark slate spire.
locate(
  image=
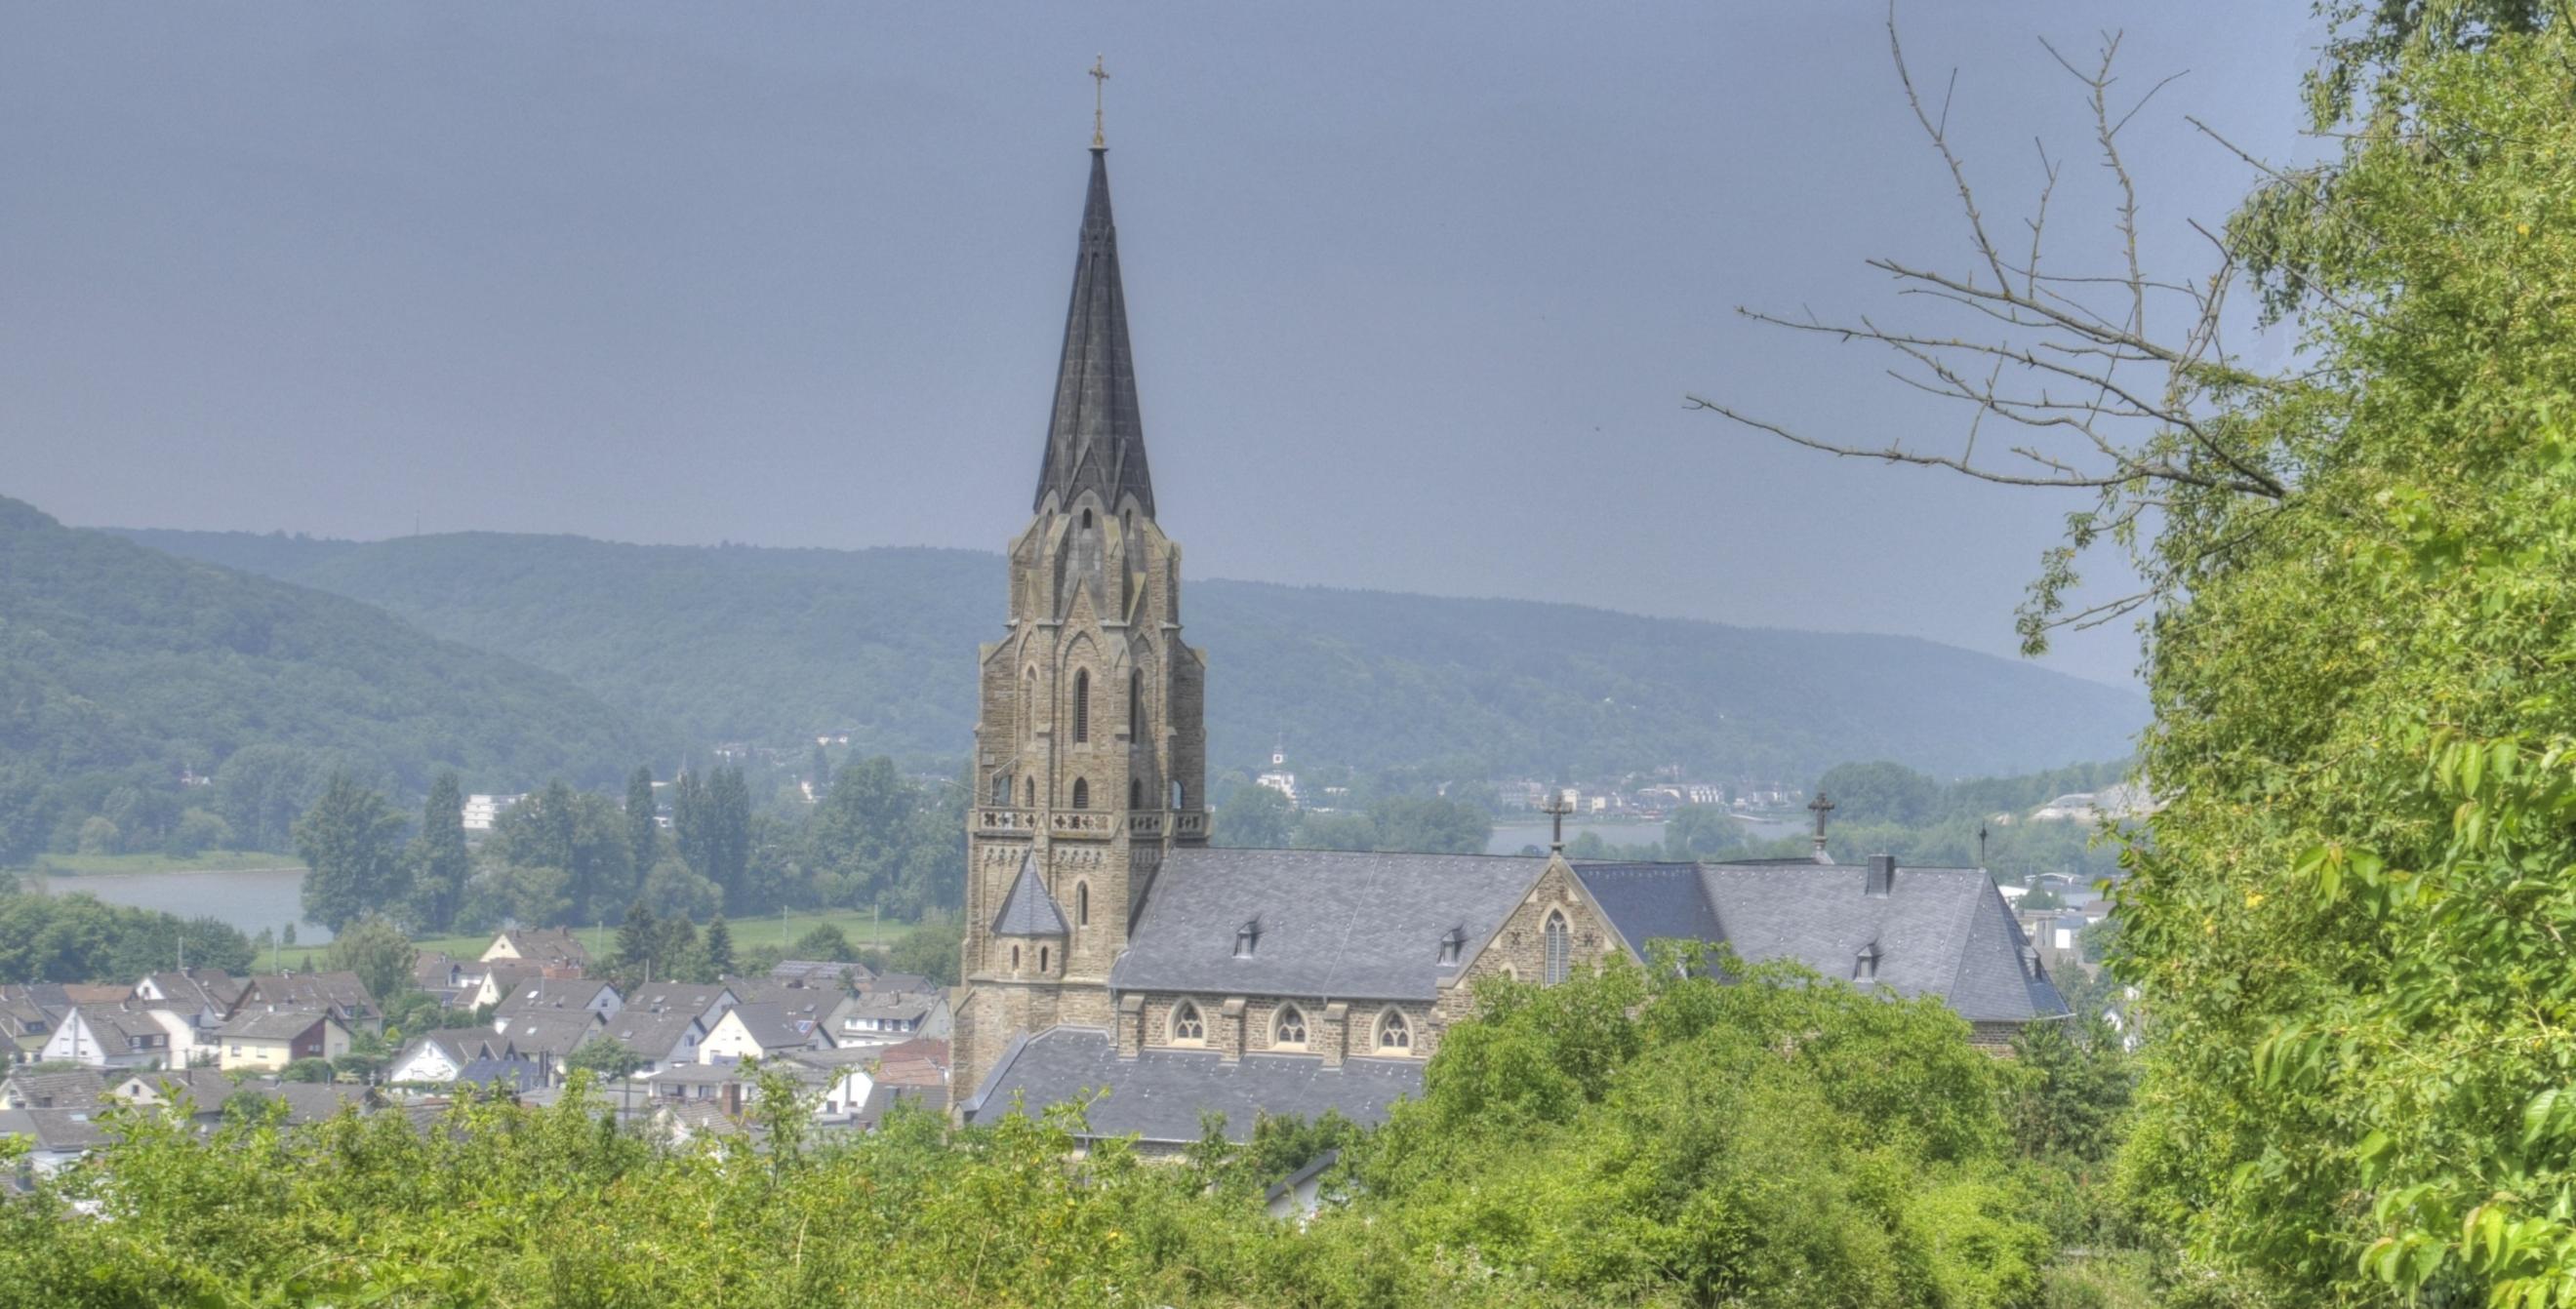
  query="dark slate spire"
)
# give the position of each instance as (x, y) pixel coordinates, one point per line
(1096, 438)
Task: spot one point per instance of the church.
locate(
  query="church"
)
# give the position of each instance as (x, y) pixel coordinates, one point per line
(1110, 945)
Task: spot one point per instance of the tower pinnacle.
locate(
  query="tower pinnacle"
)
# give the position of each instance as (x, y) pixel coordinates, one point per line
(1096, 437)
(1099, 82)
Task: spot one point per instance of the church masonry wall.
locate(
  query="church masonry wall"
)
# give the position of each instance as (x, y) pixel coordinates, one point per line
(1519, 949)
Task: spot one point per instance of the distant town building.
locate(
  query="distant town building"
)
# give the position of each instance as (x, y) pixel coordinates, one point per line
(481, 811)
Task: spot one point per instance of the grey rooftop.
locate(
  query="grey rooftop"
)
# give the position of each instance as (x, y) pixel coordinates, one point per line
(1158, 1095)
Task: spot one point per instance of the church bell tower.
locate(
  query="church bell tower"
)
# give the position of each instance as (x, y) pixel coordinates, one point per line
(1090, 758)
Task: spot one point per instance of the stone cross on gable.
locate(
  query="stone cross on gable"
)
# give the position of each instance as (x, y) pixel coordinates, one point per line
(1556, 810)
(1820, 806)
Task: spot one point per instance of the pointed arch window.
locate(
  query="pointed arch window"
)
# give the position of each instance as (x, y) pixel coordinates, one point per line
(1081, 793)
(1082, 706)
(1559, 948)
(1001, 788)
(1288, 1027)
(1176, 796)
(1188, 1028)
(1030, 789)
(1082, 904)
(1394, 1033)
(1015, 958)
(1136, 793)
(1044, 955)
(1136, 706)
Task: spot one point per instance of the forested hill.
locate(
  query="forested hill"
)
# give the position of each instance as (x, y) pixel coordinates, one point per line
(114, 657)
(766, 644)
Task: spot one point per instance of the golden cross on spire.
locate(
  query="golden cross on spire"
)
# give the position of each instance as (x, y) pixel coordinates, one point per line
(1099, 83)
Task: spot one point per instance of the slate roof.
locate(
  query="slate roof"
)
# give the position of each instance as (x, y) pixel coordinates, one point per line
(1159, 1094)
(507, 1074)
(204, 988)
(206, 1089)
(548, 945)
(816, 972)
(1333, 923)
(551, 1031)
(76, 1088)
(1028, 910)
(693, 998)
(651, 1034)
(774, 1026)
(550, 993)
(1096, 433)
(265, 1024)
(341, 992)
(60, 1130)
(1943, 932)
(114, 1023)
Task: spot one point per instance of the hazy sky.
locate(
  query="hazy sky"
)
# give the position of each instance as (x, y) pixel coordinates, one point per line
(1417, 290)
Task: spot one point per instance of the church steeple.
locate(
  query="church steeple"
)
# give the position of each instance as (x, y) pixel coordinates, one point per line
(1096, 436)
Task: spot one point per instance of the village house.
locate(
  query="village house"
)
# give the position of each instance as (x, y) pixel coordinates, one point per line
(554, 950)
(262, 1038)
(109, 1036)
(759, 1031)
(339, 994)
(550, 993)
(74, 1088)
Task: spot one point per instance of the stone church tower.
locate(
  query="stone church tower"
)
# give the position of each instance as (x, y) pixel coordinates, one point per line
(1089, 750)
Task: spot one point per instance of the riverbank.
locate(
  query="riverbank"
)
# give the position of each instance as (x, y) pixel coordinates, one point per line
(211, 861)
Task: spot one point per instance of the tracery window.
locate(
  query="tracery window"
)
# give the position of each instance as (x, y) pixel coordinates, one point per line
(1394, 1033)
(1559, 951)
(1289, 1027)
(1187, 1026)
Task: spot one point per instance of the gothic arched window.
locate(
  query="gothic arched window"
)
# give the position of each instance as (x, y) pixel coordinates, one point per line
(1082, 706)
(1559, 952)
(1187, 1026)
(1288, 1027)
(1394, 1034)
(1082, 904)
(1136, 793)
(1015, 958)
(1176, 795)
(1030, 788)
(1043, 953)
(1136, 706)
(1001, 788)
(1081, 794)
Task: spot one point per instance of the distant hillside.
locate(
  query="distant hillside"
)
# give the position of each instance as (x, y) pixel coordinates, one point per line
(760, 644)
(115, 657)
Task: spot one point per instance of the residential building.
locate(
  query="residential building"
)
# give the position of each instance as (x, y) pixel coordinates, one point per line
(760, 1031)
(554, 949)
(109, 1036)
(267, 1038)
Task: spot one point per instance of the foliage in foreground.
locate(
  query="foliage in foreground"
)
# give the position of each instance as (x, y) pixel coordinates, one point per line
(1613, 1140)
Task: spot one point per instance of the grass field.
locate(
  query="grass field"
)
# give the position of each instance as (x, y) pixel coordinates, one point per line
(748, 933)
(212, 861)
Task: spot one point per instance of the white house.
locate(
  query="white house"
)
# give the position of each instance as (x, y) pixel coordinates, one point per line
(759, 1031)
(108, 1036)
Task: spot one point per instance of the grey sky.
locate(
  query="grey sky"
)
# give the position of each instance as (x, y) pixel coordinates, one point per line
(1417, 290)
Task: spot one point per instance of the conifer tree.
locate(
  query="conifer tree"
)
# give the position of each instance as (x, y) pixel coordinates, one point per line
(439, 860)
(348, 843)
(643, 833)
(639, 938)
(718, 947)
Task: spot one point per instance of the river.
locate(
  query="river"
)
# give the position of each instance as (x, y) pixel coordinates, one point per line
(248, 899)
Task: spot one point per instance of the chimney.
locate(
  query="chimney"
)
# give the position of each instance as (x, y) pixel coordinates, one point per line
(1882, 876)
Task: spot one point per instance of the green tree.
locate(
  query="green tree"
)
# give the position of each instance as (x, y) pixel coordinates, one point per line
(1254, 817)
(1702, 831)
(931, 950)
(348, 843)
(639, 940)
(718, 947)
(377, 951)
(824, 942)
(1881, 793)
(604, 1057)
(440, 862)
(1431, 825)
(643, 821)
